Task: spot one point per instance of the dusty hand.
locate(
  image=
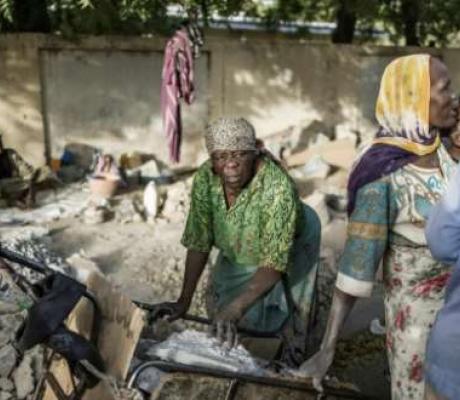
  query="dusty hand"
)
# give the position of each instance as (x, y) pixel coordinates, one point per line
(317, 366)
(171, 311)
(224, 325)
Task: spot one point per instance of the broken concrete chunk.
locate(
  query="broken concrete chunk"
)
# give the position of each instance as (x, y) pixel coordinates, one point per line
(9, 325)
(8, 359)
(8, 308)
(340, 153)
(5, 395)
(127, 211)
(6, 385)
(149, 170)
(82, 267)
(315, 168)
(347, 132)
(23, 378)
(310, 134)
(95, 215)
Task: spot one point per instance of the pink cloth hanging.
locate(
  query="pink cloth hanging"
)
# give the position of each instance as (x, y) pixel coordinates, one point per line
(177, 82)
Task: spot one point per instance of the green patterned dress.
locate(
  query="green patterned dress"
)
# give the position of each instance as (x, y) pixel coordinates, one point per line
(268, 226)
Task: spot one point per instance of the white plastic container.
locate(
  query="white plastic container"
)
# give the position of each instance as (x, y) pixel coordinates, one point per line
(151, 200)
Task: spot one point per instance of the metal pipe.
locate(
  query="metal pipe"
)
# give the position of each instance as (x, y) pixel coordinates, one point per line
(27, 262)
(207, 321)
(261, 380)
(232, 390)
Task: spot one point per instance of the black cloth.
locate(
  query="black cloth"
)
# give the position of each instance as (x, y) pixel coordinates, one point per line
(59, 295)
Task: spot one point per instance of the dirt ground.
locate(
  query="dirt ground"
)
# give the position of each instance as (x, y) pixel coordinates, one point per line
(146, 260)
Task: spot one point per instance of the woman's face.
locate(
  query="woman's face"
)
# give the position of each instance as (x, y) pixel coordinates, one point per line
(235, 168)
(443, 107)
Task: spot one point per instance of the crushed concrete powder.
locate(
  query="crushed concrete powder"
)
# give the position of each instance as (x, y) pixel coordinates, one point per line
(197, 348)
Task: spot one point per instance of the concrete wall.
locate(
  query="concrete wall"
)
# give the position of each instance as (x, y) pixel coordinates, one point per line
(105, 90)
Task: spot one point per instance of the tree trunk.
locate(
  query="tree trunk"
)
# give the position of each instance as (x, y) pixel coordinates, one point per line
(346, 23)
(410, 17)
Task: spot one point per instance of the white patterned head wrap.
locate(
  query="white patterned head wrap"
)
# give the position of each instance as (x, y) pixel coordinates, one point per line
(228, 133)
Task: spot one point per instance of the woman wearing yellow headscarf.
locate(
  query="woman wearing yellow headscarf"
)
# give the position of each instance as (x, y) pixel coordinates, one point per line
(391, 191)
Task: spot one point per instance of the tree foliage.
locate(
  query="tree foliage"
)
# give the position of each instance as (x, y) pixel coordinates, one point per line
(413, 22)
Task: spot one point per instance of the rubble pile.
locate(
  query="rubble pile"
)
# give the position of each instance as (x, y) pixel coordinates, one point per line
(51, 205)
(19, 374)
(177, 201)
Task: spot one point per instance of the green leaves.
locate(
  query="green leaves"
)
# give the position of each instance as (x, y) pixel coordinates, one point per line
(424, 22)
(85, 4)
(6, 10)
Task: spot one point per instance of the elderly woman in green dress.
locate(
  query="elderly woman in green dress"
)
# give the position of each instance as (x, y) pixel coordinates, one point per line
(245, 204)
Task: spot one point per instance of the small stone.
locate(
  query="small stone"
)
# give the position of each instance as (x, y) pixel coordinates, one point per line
(82, 267)
(137, 218)
(95, 215)
(8, 308)
(4, 338)
(37, 355)
(149, 170)
(5, 395)
(6, 385)
(8, 359)
(23, 378)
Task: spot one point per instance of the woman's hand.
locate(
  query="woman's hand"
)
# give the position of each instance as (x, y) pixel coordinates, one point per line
(224, 324)
(317, 366)
(170, 310)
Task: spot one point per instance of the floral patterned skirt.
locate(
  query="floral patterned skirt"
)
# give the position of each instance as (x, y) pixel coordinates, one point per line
(414, 292)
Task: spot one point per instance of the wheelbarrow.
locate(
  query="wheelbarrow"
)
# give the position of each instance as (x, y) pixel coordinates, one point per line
(236, 378)
(54, 297)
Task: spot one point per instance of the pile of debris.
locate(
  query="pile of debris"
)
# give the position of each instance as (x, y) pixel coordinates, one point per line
(18, 374)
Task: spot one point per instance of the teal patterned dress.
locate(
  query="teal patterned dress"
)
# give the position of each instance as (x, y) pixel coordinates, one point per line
(388, 225)
(268, 226)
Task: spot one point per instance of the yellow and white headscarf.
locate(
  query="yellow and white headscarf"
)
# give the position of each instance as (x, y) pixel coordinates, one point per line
(403, 105)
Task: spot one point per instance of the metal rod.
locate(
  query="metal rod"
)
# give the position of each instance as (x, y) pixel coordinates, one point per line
(55, 387)
(232, 390)
(261, 380)
(207, 321)
(27, 262)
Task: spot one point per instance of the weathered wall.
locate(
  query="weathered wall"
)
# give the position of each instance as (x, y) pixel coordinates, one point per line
(105, 90)
(21, 119)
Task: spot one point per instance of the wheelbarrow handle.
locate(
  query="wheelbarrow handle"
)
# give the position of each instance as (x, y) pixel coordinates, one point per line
(207, 321)
(26, 262)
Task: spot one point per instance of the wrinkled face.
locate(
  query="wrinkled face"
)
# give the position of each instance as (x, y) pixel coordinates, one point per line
(443, 107)
(235, 168)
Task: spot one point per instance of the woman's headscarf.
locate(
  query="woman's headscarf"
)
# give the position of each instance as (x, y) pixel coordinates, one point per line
(230, 134)
(402, 111)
